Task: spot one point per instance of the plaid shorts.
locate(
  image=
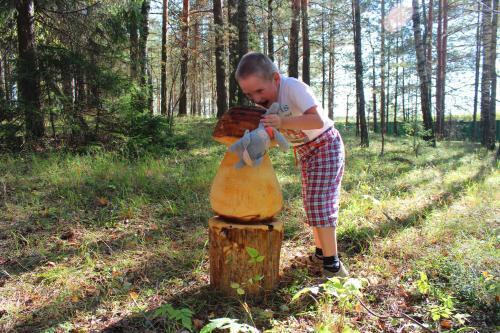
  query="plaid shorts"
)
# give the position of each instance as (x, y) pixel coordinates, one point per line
(322, 166)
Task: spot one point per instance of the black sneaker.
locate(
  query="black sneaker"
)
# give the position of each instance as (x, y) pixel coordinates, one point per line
(341, 271)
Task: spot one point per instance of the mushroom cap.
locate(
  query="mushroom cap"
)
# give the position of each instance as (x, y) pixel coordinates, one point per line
(235, 121)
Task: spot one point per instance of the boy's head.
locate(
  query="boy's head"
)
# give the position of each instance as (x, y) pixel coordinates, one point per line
(258, 78)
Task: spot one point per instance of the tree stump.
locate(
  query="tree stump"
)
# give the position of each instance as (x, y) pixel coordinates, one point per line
(244, 258)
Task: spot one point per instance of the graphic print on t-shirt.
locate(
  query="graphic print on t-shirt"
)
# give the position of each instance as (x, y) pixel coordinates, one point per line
(293, 136)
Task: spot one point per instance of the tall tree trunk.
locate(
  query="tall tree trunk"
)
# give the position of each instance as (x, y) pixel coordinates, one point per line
(3, 104)
(395, 124)
(7, 78)
(403, 88)
(374, 92)
(323, 60)
(28, 81)
(220, 68)
(306, 51)
(293, 62)
(387, 87)
(164, 31)
(382, 76)
(422, 74)
(476, 76)
(492, 129)
(270, 33)
(194, 77)
(134, 42)
(360, 95)
(232, 8)
(143, 39)
(331, 77)
(242, 40)
(488, 82)
(331, 67)
(184, 59)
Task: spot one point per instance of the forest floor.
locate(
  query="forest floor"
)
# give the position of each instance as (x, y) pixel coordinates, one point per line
(97, 242)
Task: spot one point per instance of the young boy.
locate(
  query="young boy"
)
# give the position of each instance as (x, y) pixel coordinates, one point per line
(317, 144)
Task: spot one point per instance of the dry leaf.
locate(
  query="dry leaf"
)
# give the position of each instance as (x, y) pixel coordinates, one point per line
(197, 323)
(74, 299)
(133, 295)
(446, 324)
(102, 201)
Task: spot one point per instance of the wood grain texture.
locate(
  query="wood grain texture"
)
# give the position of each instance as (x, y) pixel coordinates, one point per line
(229, 259)
(237, 120)
(248, 194)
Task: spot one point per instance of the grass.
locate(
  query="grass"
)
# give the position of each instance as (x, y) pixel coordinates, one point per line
(96, 242)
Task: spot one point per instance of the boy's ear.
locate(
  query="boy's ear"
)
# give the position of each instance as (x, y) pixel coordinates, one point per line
(276, 77)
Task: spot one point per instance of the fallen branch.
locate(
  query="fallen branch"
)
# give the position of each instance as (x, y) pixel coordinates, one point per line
(399, 315)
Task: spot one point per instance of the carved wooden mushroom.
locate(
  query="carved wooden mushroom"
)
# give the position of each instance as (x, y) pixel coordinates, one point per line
(244, 239)
(251, 193)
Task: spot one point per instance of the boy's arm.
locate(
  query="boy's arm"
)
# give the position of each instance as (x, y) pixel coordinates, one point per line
(310, 119)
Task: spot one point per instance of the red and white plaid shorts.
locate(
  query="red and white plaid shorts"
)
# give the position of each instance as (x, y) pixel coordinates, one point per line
(322, 165)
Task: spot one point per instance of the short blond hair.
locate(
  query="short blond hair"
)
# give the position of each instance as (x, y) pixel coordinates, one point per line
(255, 63)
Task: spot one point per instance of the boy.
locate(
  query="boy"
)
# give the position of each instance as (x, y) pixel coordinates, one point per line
(316, 142)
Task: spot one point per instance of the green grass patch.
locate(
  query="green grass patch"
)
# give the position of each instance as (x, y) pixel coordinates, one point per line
(101, 239)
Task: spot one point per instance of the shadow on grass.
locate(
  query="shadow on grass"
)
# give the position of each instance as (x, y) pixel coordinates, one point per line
(148, 275)
(207, 303)
(357, 240)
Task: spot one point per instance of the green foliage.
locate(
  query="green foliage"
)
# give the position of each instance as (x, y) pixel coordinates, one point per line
(423, 284)
(254, 254)
(228, 324)
(415, 130)
(345, 292)
(151, 134)
(167, 311)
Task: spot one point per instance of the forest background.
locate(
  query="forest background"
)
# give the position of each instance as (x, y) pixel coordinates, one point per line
(106, 113)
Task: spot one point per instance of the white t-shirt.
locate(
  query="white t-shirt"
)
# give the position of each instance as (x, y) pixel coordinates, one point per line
(298, 97)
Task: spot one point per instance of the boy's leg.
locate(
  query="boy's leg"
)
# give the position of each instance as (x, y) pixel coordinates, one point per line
(326, 239)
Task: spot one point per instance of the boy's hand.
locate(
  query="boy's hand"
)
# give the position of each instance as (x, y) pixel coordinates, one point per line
(271, 120)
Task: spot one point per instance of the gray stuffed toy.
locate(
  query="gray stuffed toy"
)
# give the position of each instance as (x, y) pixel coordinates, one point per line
(253, 145)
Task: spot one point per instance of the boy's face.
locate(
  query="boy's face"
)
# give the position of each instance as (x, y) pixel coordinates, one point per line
(261, 91)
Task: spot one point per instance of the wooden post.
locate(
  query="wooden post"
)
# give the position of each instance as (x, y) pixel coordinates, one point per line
(233, 259)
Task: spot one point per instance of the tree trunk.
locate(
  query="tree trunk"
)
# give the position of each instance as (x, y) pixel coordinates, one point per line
(488, 72)
(387, 87)
(220, 68)
(28, 75)
(331, 77)
(143, 39)
(374, 93)
(323, 60)
(134, 42)
(293, 62)
(184, 59)
(306, 51)
(395, 125)
(476, 76)
(270, 33)
(242, 41)
(164, 30)
(382, 76)
(3, 104)
(360, 95)
(492, 129)
(233, 50)
(422, 74)
(244, 258)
